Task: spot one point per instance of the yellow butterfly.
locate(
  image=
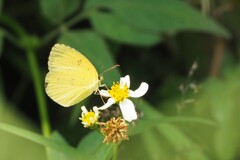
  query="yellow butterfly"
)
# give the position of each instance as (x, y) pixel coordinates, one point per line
(71, 77)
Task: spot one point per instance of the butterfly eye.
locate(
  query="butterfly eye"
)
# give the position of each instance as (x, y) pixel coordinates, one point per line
(100, 78)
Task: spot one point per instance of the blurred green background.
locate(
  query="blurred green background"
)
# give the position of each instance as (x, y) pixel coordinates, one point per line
(186, 50)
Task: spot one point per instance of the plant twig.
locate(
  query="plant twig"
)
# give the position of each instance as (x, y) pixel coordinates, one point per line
(38, 86)
(218, 54)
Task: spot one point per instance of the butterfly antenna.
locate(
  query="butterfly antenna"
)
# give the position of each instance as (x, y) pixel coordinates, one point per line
(113, 67)
(97, 93)
(102, 99)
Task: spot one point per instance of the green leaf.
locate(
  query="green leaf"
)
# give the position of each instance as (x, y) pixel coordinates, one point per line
(147, 121)
(93, 145)
(13, 145)
(104, 152)
(187, 119)
(90, 143)
(57, 10)
(152, 145)
(160, 16)
(180, 142)
(52, 153)
(114, 28)
(39, 139)
(95, 49)
(220, 101)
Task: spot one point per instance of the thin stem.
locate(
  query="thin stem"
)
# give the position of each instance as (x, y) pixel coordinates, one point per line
(11, 23)
(218, 55)
(115, 151)
(10, 37)
(38, 86)
(49, 36)
(75, 19)
(205, 6)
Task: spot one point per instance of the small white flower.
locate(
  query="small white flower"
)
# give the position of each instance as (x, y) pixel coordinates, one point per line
(119, 93)
(89, 118)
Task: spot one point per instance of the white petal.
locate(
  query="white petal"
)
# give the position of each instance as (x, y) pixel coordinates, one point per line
(125, 81)
(142, 89)
(85, 124)
(110, 102)
(82, 116)
(95, 109)
(128, 110)
(84, 109)
(104, 93)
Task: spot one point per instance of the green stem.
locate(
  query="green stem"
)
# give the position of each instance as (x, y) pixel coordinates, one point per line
(75, 19)
(12, 24)
(10, 37)
(115, 151)
(38, 86)
(51, 35)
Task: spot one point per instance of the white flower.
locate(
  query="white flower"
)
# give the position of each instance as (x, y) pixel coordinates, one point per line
(89, 119)
(119, 93)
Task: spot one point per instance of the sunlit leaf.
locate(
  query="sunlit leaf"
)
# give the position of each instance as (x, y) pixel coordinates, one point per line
(53, 154)
(152, 144)
(10, 142)
(220, 101)
(38, 139)
(181, 143)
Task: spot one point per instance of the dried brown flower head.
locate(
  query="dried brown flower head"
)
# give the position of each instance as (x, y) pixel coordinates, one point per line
(114, 130)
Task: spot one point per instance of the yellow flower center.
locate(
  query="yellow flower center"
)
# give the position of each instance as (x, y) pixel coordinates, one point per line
(118, 93)
(89, 117)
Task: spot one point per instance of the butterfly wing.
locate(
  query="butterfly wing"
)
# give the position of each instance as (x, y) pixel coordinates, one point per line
(71, 77)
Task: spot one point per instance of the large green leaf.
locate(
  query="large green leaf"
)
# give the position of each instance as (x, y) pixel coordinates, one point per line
(114, 28)
(14, 144)
(54, 154)
(91, 142)
(38, 139)
(160, 15)
(152, 144)
(220, 101)
(94, 48)
(93, 145)
(149, 118)
(57, 10)
(183, 145)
